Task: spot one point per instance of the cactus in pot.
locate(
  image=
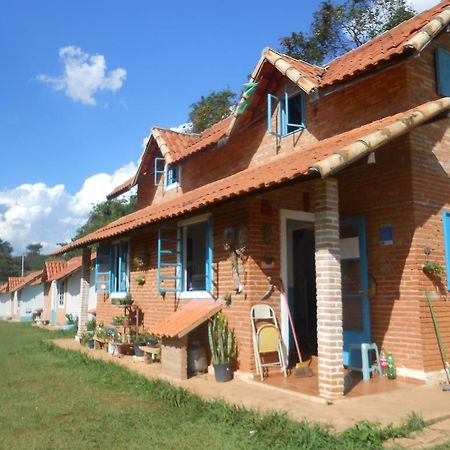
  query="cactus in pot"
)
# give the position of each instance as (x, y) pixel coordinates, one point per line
(223, 347)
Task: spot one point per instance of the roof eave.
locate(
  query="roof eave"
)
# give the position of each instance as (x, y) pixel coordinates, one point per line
(372, 141)
(423, 37)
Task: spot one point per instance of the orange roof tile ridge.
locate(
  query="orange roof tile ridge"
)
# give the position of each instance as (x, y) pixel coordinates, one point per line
(177, 132)
(314, 66)
(380, 36)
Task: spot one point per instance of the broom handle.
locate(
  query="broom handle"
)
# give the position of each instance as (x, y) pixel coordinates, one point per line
(438, 334)
(290, 320)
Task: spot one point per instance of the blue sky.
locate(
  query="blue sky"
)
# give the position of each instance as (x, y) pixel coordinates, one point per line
(65, 141)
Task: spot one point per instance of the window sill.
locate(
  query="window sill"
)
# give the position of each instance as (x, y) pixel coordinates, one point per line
(185, 295)
(118, 295)
(171, 187)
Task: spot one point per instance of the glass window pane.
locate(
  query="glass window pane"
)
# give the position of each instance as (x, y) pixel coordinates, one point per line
(196, 256)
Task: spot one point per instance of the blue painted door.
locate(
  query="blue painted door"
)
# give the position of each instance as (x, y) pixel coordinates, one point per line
(355, 292)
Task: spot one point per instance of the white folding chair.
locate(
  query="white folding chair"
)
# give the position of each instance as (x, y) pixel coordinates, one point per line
(266, 338)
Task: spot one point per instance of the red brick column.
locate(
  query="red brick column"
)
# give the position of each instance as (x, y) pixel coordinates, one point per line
(84, 291)
(174, 358)
(328, 284)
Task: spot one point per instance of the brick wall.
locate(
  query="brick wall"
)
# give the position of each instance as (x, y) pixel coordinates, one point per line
(430, 161)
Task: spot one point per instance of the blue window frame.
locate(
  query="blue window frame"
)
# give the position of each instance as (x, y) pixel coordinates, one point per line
(291, 113)
(171, 173)
(185, 257)
(160, 165)
(443, 71)
(446, 223)
(171, 176)
(112, 268)
(61, 293)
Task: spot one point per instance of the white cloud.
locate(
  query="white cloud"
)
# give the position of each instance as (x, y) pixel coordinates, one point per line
(37, 213)
(183, 128)
(84, 75)
(421, 5)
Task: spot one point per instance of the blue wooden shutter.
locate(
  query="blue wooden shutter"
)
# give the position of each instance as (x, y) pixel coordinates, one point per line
(443, 71)
(159, 169)
(103, 269)
(124, 267)
(279, 131)
(169, 276)
(209, 257)
(446, 223)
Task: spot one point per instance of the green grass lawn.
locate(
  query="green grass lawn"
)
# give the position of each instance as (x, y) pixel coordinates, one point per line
(51, 398)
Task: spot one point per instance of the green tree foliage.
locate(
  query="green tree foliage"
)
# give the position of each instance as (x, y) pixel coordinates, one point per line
(211, 109)
(33, 260)
(104, 213)
(339, 26)
(34, 249)
(10, 266)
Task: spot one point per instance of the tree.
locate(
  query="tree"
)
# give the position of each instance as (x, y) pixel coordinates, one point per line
(339, 26)
(104, 213)
(34, 249)
(10, 266)
(211, 109)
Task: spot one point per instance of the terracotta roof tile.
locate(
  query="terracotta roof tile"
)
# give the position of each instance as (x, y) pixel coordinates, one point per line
(13, 282)
(182, 145)
(275, 172)
(186, 319)
(121, 189)
(28, 279)
(38, 280)
(178, 142)
(53, 267)
(72, 265)
(3, 288)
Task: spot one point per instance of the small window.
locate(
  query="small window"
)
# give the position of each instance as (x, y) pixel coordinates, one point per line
(291, 116)
(185, 257)
(112, 268)
(61, 294)
(170, 173)
(443, 71)
(446, 224)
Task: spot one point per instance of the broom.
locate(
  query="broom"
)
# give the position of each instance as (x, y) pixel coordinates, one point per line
(302, 368)
(441, 343)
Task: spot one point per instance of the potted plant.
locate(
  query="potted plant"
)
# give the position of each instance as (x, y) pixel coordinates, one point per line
(112, 336)
(87, 338)
(128, 300)
(223, 347)
(91, 325)
(433, 268)
(138, 339)
(152, 341)
(119, 320)
(117, 297)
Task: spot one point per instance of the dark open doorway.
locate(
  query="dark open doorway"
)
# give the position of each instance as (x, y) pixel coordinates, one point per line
(302, 300)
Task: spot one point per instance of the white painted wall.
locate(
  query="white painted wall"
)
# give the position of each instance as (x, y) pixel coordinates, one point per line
(73, 293)
(32, 298)
(5, 305)
(92, 293)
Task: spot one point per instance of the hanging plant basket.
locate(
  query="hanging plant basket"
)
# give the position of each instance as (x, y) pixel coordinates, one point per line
(140, 280)
(433, 268)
